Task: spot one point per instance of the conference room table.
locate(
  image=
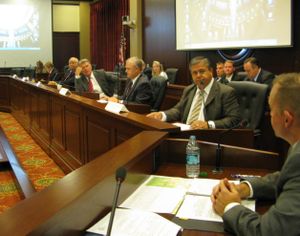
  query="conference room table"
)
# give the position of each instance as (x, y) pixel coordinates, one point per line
(74, 129)
(84, 196)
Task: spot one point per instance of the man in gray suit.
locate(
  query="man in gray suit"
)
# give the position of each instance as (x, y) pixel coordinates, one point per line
(283, 217)
(218, 106)
(87, 80)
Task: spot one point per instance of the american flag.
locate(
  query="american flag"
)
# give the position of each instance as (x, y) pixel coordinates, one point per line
(122, 50)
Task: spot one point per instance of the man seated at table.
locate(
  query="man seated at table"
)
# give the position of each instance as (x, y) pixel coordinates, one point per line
(87, 80)
(204, 104)
(69, 75)
(255, 73)
(137, 89)
(283, 216)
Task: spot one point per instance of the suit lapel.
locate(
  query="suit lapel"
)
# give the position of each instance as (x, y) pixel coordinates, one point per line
(187, 108)
(212, 94)
(134, 86)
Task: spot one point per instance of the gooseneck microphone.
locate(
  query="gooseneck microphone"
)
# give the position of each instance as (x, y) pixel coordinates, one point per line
(218, 168)
(120, 177)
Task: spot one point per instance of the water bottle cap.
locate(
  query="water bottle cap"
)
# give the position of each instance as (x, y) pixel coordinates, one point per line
(193, 137)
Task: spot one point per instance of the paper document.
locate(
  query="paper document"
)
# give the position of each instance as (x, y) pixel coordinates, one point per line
(182, 126)
(204, 186)
(158, 194)
(129, 222)
(199, 207)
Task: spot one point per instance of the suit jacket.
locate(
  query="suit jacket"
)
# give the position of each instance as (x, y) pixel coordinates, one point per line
(107, 86)
(283, 218)
(140, 92)
(69, 79)
(54, 76)
(235, 77)
(221, 106)
(264, 77)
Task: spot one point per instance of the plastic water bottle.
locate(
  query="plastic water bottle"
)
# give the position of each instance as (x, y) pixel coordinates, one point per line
(192, 158)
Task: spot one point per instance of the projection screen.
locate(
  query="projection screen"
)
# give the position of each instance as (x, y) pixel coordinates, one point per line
(25, 32)
(224, 24)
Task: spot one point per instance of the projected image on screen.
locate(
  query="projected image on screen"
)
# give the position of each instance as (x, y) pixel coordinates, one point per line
(19, 27)
(205, 24)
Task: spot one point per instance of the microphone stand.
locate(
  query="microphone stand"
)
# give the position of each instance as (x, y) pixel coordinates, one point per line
(120, 176)
(218, 169)
(219, 150)
(113, 210)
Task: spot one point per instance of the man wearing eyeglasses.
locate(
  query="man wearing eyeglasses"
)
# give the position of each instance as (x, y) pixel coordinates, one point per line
(204, 104)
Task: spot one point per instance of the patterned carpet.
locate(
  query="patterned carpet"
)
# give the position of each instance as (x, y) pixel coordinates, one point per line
(40, 168)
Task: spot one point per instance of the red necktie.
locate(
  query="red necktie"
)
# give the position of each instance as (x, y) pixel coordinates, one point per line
(90, 86)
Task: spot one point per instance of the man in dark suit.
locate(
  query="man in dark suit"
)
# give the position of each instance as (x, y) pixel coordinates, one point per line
(229, 73)
(138, 89)
(283, 217)
(219, 71)
(218, 106)
(69, 75)
(53, 74)
(87, 80)
(255, 73)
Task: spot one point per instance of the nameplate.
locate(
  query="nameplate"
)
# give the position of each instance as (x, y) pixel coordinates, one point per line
(63, 91)
(115, 107)
(38, 84)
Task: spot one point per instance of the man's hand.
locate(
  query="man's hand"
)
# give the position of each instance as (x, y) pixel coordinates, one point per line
(78, 71)
(112, 99)
(198, 124)
(223, 194)
(155, 115)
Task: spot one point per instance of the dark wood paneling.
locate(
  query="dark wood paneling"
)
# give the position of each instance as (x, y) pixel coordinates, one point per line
(4, 92)
(73, 133)
(159, 40)
(65, 45)
(57, 110)
(159, 37)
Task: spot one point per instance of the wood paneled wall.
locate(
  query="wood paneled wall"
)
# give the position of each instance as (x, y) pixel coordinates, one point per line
(159, 39)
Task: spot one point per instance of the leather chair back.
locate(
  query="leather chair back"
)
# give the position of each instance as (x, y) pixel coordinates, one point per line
(158, 85)
(252, 98)
(172, 75)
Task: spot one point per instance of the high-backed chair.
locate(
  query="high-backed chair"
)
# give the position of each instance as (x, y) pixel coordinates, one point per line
(158, 85)
(252, 98)
(172, 75)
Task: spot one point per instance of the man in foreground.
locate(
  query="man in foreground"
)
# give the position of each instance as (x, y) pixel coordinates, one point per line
(283, 217)
(204, 104)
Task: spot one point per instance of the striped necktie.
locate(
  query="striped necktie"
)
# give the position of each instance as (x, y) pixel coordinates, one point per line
(197, 107)
(128, 89)
(90, 86)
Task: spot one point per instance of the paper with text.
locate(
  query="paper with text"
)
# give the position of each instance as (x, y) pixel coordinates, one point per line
(158, 194)
(129, 222)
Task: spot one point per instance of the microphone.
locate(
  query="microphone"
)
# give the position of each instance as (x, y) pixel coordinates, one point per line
(218, 168)
(120, 177)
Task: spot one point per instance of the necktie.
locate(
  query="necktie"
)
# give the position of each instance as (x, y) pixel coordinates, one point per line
(128, 89)
(90, 86)
(197, 107)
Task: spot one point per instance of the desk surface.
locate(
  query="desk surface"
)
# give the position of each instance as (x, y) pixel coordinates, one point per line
(81, 198)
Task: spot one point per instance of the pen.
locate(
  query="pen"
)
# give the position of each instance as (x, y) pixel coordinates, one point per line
(240, 176)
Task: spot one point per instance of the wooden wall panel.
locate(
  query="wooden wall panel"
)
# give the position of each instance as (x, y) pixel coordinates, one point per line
(74, 133)
(4, 92)
(57, 127)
